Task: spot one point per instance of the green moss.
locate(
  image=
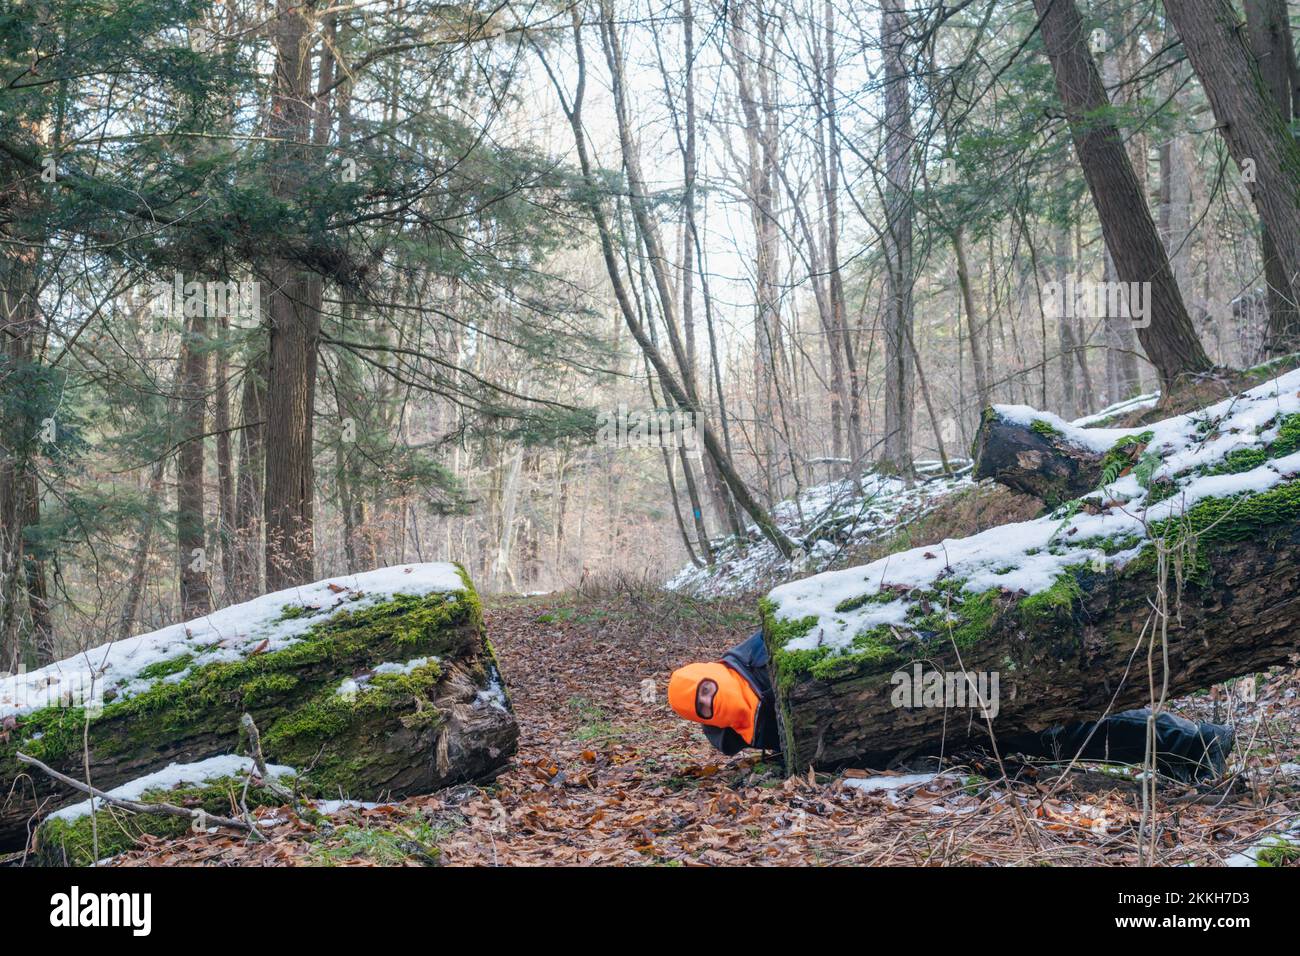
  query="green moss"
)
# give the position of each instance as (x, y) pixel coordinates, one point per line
(1052, 603)
(780, 631)
(862, 600)
(73, 841)
(823, 663)
(1288, 437)
(1236, 518)
(409, 843)
(292, 612)
(1239, 460)
(296, 737)
(1046, 429)
(1278, 852)
(166, 668)
(954, 612)
(266, 688)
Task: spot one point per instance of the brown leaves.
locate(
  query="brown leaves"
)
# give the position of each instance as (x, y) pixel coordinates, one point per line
(605, 777)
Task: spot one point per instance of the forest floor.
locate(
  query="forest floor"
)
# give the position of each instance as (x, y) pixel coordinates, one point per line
(605, 775)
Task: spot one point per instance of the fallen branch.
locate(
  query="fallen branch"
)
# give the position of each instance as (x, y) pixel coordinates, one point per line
(135, 806)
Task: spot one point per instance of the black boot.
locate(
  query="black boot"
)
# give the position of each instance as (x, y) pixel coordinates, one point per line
(1185, 751)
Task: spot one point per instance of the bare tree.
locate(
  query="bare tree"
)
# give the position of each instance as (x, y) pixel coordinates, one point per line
(899, 212)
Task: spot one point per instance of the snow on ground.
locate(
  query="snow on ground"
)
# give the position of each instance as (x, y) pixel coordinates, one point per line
(887, 781)
(1029, 556)
(225, 635)
(1286, 839)
(330, 807)
(172, 776)
(828, 519)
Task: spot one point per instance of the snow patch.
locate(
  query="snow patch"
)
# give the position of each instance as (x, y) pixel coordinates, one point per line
(351, 686)
(1028, 557)
(832, 519)
(888, 782)
(494, 695)
(225, 635)
(172, 776)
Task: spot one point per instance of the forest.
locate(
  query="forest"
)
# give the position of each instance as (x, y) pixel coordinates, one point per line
(396, 396)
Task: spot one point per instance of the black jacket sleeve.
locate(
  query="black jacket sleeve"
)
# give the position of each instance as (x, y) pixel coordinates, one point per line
(726, 740)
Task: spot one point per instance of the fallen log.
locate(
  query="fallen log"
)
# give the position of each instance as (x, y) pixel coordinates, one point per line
(368, 686)
(1052, 619)
(1039, 454)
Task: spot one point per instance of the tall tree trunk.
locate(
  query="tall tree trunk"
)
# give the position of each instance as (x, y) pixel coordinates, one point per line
(191, 538)
(899, 368)
(295, 325)
(759, 128)
(140, 560)
(38, 594)
(1169, 340)
(1246, 108)
(20, 423)
(1269, 29)
(502, 574)
(972, 319)
(251, 481)
(1065, 325)
(225, 464)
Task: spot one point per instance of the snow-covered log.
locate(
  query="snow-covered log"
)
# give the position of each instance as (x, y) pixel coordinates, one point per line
(1037, 453)
(1059, 609)
(368, 686)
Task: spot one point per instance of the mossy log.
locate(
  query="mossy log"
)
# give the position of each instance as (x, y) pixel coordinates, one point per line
(1204, 507)
(1035, 456)
(1061, 656)
(368, 688)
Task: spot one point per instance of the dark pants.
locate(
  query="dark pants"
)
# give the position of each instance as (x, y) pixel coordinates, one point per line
(1184, 750)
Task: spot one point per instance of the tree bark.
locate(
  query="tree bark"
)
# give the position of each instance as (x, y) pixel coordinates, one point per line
(1247, 110)
(247, 577)
(140, 562)
(295, 325)
(1169, 341)
(191, 530)
(1269, 28)
(225, 466)
(1036, 461)
(896, 456)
